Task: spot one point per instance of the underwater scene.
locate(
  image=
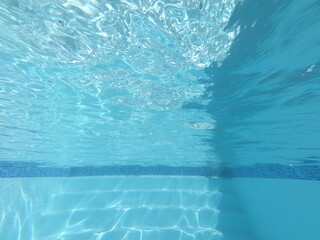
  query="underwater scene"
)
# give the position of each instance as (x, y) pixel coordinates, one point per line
(159, 119)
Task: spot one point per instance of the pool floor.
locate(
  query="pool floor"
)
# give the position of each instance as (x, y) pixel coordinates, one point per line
(110, 208)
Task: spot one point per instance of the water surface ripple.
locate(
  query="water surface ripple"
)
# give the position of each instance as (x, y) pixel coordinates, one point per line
(119, 82)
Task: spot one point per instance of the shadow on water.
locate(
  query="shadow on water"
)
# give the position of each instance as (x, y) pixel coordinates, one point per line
(265, 100)
(266, 94)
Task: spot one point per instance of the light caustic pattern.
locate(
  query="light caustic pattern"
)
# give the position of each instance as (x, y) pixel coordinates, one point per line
(115, 81)
(110, 208)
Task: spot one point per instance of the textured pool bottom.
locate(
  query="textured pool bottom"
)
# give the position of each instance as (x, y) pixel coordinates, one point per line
(110, 208)
(303, 172)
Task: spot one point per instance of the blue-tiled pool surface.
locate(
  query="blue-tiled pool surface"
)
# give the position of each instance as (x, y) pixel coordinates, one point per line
(302, 172)
(156, 120)
(157, 207)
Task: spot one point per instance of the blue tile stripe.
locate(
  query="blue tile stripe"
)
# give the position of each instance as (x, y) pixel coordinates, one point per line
(303, 172)
(23, 169)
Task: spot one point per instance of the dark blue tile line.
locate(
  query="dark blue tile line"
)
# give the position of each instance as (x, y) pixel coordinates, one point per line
(12, 170)
(303, 172)
(279, 171)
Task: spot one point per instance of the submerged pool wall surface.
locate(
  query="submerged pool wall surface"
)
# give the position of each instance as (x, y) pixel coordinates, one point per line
(158, 207)
(262, 209)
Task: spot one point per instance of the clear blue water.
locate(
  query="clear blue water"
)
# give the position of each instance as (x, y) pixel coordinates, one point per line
(107, 83)
(159, 120)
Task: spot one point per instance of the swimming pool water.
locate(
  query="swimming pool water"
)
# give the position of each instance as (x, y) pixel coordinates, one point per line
(110, 81)
(159, 120)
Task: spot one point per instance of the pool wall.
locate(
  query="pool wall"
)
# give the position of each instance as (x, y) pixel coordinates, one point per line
(258, 202)
(264, 209)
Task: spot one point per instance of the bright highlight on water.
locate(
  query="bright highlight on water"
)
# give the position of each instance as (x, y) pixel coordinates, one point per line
(111, 79)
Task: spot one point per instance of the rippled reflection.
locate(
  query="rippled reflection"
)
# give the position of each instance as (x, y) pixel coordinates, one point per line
(109, 80)
(144, 34)
(266, 93)
(110, 208)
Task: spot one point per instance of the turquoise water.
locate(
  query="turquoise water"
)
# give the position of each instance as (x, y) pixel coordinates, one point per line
(110, 81)
(159, 120)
